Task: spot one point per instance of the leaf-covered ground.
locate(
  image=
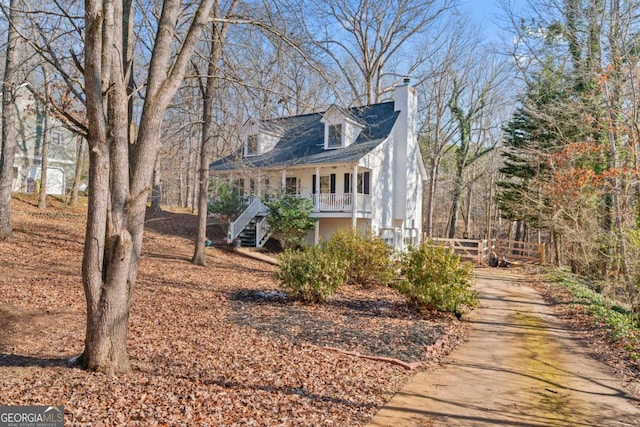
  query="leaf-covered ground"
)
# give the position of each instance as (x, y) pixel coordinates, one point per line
(215, 345)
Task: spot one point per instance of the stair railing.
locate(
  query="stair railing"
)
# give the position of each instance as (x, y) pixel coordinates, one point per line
(236, 227)
(262, 232)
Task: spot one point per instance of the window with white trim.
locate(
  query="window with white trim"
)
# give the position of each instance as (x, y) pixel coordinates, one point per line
(335, 136)
(291, 185)
(252, 145)
(56, 138)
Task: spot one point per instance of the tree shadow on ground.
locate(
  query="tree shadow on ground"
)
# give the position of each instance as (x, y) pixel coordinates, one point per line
(18, 360)
(171, 223)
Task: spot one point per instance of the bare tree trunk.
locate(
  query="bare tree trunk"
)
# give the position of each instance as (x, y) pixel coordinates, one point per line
(8, 142)
(208, 92)
(467, 215)
(431, 194)
(120, 176)
(455, 205)
(199, 254)
(44, 149)
(77, 177)
(156, 192)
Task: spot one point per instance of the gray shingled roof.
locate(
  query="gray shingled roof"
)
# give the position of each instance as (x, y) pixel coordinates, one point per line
(303, 140)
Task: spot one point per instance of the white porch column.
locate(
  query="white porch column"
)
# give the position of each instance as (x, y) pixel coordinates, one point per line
(354, 196)
(316, 237)
(259, 189)
(316, 197)
(284, 181)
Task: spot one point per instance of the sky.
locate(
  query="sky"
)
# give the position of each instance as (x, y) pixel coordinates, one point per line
(486, 13)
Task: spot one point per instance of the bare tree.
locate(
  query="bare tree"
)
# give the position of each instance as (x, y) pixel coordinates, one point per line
(9, 87)
(208, 89)
(364, 40)
(81, 153)
(473, 104)
(437, 126)
(120, 173)
(44, 149)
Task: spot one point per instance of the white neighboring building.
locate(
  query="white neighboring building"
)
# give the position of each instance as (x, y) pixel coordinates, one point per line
(360, 166)
(29, 136)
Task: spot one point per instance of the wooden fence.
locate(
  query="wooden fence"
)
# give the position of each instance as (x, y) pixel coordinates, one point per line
(513, 250)
(479, 251)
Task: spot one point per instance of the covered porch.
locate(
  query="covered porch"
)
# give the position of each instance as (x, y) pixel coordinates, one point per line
(339, 189)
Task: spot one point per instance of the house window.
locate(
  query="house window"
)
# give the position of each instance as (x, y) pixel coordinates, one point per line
(335, 136)
(324, 184)
(328, 184)
(291, 185)
(364, 183)
(239, 186)
(56, 138)
(252, 145)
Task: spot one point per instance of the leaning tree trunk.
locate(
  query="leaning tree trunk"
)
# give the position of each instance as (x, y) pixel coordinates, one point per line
(8, 142)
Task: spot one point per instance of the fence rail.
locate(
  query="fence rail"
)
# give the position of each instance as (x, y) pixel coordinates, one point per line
(520, 251)
(467, 249)
(479, 251)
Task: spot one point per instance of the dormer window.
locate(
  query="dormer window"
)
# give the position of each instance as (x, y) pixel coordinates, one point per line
(334, 139)
(260, 137)
(252, 145)
(341, 128)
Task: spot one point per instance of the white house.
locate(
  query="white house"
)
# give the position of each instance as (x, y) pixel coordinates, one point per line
(360, 166)
(28, 153)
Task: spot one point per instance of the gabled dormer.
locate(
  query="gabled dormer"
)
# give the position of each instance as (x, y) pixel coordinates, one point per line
(341, 128)
(260, 137)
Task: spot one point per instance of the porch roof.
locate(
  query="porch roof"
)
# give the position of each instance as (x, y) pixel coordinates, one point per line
(302, 142)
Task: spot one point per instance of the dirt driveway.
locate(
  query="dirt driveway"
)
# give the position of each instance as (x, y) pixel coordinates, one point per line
(520, 367)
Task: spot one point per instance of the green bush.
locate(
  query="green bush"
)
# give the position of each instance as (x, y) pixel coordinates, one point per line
(289, 219)
(434, 277)
(368, 259)
(311, 274)
(620, 323)
(227, 202)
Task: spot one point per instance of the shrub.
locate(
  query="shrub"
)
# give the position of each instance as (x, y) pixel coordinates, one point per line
(290, 219)
(227, 203)
(367, 259)
(311, 274)
(434, 277)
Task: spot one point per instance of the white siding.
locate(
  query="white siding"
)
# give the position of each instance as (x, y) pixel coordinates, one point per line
(328, 226)
(404, 137)
(380, 162)
(266, 142)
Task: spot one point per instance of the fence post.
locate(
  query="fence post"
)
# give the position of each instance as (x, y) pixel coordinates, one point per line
(481, 252)
(542, 254)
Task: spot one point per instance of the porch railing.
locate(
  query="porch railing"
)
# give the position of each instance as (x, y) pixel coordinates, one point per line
(339, 202)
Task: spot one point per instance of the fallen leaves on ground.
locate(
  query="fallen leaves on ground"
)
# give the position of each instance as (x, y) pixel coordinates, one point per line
(210, 346)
